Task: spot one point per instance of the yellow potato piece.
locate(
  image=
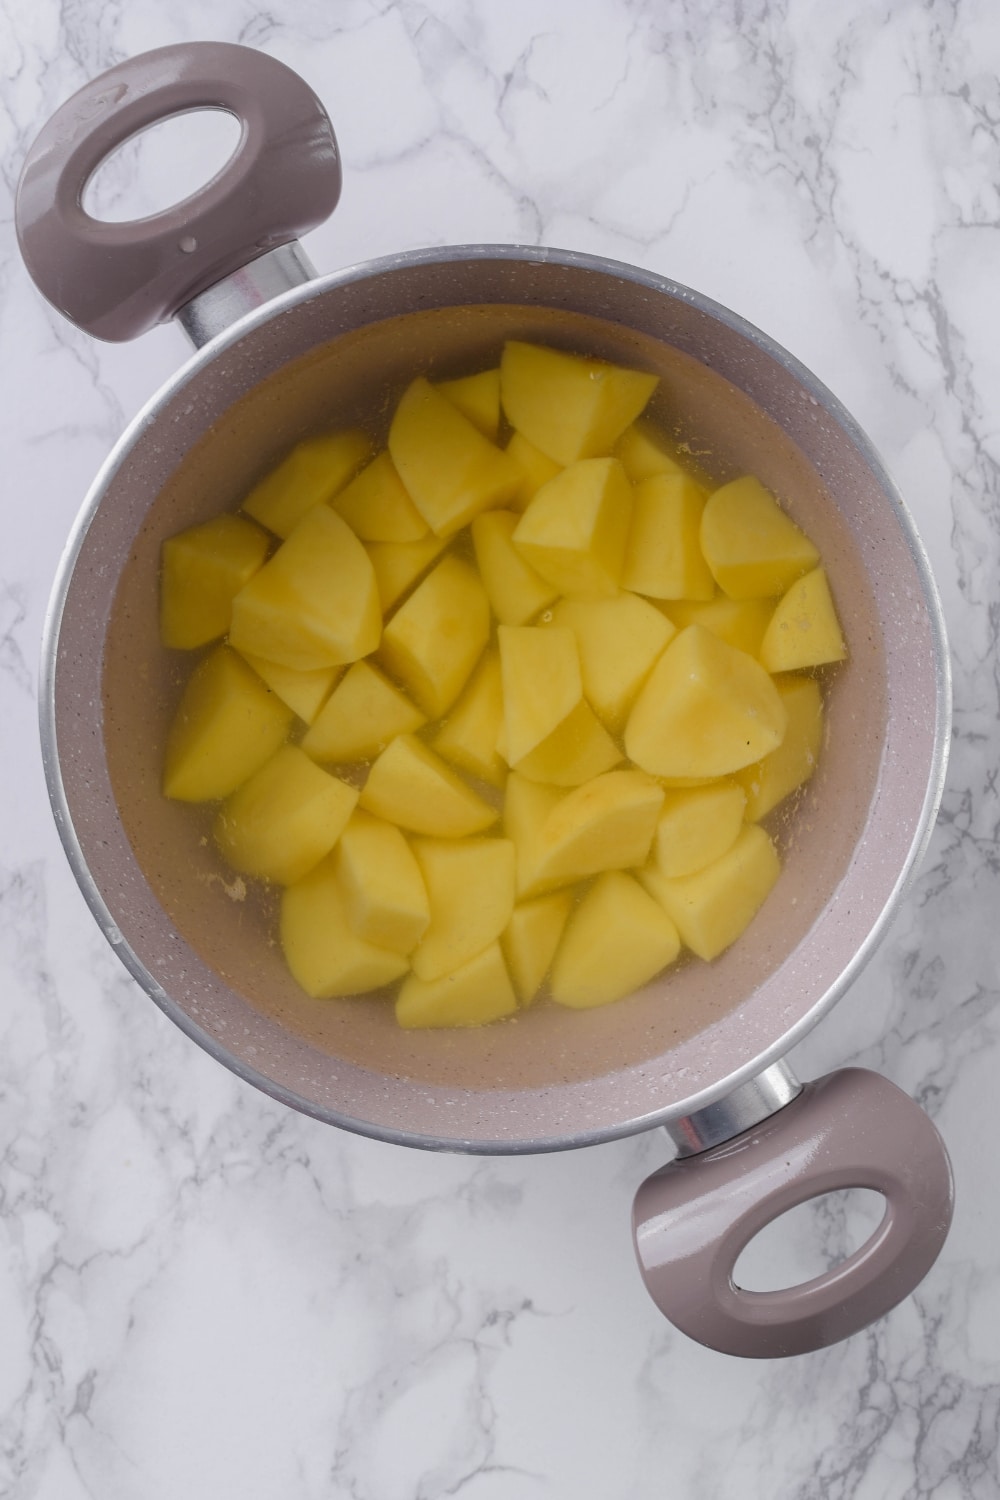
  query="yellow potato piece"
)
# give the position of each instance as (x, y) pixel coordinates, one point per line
(567, 406)
(713, 906)
(450, 469)
(616, 941)
(531, 939)
(398, 565)
(606, 824)
(413, 787)
(643, 453)
(326, 957)
(202, 569)
(315, 603)
(706, 709)
(577, 749)
(738, 622)
(663, 558)
(575, 530)
(526, 806)
(697, 826)
(383, 889)
(304, 692)
(226, 726)
(308, 476)
(363, 714)
(377, 507)
(470, 889)
(515, 591)
(541, 682)
(782, 772)
(478, 398)
(435, 639)
(753, 548)
(536, 467)
(284, 819)
(468, 736)
(479, 992)
(618, 640)
(804, 629)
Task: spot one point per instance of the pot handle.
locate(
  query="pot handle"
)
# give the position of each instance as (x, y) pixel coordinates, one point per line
(118, 280)
(693, 1218)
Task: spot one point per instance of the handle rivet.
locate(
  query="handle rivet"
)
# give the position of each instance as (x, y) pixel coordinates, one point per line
(188, 244)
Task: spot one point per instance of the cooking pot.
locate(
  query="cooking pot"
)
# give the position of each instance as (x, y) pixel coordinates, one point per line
(282, 352)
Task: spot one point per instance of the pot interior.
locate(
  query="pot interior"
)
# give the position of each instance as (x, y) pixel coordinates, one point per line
(206, 945)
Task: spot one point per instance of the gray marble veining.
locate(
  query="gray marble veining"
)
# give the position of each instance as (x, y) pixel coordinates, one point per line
(202, 1294)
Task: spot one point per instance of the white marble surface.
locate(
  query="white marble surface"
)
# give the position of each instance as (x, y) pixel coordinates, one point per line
(203, 1294)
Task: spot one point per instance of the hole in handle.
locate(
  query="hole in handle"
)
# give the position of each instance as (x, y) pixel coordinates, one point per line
(808, 1240)
(161, 166)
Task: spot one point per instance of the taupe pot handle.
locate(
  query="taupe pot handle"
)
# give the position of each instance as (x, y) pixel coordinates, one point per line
(694, 1217)
(118, 280)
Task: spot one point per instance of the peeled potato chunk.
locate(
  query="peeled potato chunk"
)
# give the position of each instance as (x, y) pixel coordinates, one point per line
(398, 565)
(782, 772)
(377, 507)
(643, 453)
(530, 940)
(536, 467)
(618, 640)
(578, 749)
(434, 640)
(383, 889)
(478, 398)
(226, 726)
(526, 806)
(705, 710)
(606, 824)
(468, 736)
(477, 993)
(804, 630)
(575, 530)
(616, 940)
(450, 469)
(568, 406)
(738, 622)
(664, 558)
(470, 889)
(284, 819)
(714, 905)
(203, 568)
(413, 787)
(315, 603)
(309, 476)
(753, 548)
(541, 681)
(515, 591)
(324, 953)
(363, 713)
(697, 826)
(304, 692)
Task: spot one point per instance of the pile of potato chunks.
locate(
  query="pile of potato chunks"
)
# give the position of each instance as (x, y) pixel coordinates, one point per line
(501, 720)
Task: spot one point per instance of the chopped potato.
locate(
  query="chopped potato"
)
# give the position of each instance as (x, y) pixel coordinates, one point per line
(225, 727)
(753, 548)
(284, 819)
(575, 530)
(567, 406)
(554, 685)
(413, 787)
(203, 569)
(706, 709)
(309, 476)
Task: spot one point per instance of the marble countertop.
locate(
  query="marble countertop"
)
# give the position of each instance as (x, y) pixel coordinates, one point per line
(205, 1294)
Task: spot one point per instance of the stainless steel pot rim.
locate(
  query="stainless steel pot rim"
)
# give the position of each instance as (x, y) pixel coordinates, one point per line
(148, 416)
